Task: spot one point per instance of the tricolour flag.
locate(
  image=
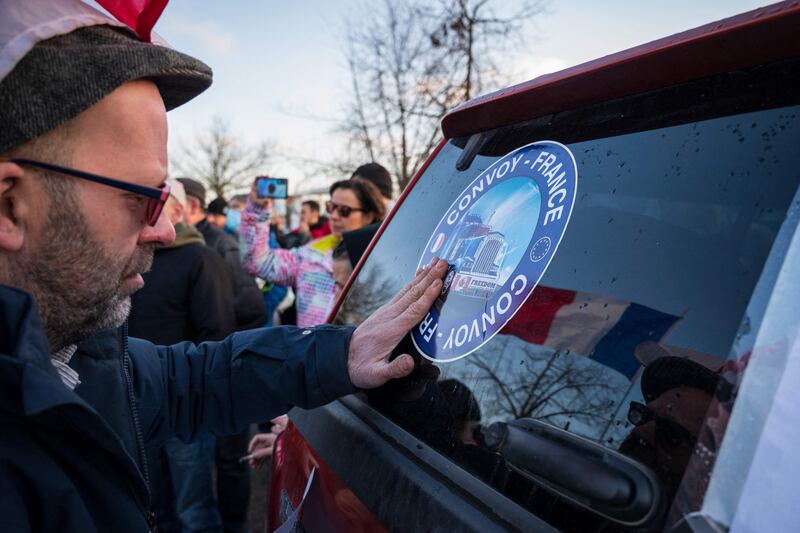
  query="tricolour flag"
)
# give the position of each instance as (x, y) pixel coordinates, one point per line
(602, 328)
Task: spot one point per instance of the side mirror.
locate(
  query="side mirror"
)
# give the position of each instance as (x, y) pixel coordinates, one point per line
(591, 476)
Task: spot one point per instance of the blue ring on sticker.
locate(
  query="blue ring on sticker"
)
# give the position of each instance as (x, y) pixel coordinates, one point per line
(498, 236)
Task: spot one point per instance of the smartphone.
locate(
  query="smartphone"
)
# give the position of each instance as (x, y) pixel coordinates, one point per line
(267, 187)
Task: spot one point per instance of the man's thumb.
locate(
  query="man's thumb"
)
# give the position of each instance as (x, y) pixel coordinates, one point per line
(400, 367)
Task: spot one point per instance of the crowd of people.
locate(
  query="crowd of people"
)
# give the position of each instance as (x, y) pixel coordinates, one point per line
(234, 266)
(104, 419)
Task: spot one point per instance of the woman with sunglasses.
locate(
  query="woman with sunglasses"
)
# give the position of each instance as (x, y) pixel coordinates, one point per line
(354, 203)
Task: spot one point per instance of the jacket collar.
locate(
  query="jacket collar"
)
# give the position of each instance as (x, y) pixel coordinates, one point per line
(21, 331)
(27, 374)
(23, 344)
(185, 234)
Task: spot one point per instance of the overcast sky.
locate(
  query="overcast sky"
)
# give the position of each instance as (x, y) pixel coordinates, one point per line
(278, 63)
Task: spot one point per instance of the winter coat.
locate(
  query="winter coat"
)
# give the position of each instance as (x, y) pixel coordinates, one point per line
(247, 298)
(320, 229)
(309, 269)
(67, 457)
(186, 295)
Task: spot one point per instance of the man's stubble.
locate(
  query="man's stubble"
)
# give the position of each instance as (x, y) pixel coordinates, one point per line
(76, 281)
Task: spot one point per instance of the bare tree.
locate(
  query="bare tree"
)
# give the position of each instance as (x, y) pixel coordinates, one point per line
(409, 64)
(371, 290)
(221, 160)
(471, 36)
(389, 115)
(553, 386)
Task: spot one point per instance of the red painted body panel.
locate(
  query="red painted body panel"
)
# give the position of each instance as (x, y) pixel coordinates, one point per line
(292, 463)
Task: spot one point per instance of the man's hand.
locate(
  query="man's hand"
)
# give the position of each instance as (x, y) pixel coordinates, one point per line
(373, 341)
(262, 445)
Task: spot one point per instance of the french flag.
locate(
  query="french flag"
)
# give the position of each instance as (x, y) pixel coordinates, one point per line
(604, 329)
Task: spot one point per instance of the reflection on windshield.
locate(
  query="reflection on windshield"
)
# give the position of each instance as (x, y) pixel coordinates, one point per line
(668, 237)
(678, 393)
(528, 381)
(367, 294)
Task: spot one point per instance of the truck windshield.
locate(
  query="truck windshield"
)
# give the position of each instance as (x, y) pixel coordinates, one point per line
(628, 339)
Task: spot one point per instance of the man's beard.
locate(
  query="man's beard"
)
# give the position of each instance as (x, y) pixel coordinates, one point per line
(77, 283)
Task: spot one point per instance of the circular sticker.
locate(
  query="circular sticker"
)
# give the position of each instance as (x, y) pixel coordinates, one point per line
(498, 236)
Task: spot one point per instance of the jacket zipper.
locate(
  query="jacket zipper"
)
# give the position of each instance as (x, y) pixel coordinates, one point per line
(149, 516)
(137, 426)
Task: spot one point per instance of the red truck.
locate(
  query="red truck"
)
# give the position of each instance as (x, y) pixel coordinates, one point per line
(616, 347)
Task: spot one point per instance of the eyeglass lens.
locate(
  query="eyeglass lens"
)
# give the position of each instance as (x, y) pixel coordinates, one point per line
(156, 205)
(343, 210)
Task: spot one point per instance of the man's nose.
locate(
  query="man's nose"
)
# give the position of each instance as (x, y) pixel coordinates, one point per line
(163, 233)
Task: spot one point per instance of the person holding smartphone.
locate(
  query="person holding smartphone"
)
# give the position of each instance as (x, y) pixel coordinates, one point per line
(354, 204)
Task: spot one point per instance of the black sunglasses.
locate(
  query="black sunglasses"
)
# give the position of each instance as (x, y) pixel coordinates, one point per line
(667, 431)
(156, 196)
(344, 210)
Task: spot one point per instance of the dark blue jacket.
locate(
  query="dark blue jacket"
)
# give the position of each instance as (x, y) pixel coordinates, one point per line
(68, 459)
(247, 300)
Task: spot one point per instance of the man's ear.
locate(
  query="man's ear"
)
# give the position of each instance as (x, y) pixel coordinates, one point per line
(173, 210)
(192, 208)
(180, 209)
(15, 207)
(189, 210)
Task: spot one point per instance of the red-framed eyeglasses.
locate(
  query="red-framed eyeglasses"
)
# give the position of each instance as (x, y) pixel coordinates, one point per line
(156, 196)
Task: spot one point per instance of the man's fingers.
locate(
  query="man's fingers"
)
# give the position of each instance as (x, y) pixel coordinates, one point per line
(261, 441)
(417, 289)
(262, 453)
(376, 336)
(417, 279)
(260, 456)
(417, 309)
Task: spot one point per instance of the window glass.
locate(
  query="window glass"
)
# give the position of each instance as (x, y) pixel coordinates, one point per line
(624, 342)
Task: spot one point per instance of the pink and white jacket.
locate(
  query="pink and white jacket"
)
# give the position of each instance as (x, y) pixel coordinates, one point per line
(308, 268)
